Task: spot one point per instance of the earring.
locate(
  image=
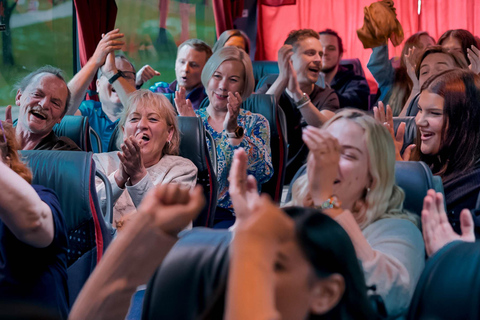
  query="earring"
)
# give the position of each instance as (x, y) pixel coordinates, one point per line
(368, 190)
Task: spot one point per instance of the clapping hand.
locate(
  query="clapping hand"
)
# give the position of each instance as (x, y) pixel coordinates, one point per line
(437, 231)
(184, 105)
(387, 120)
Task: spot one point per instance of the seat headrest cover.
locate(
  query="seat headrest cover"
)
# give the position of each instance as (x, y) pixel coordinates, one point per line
(192, 140)
(192, 276)
(415, 178)
(68, 174)
(449, 287)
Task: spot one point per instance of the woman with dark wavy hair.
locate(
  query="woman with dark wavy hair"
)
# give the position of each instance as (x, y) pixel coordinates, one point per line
(448, 137)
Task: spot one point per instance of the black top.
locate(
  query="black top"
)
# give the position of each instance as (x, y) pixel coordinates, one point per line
(323, 99)
(352, 90)
(36, 276)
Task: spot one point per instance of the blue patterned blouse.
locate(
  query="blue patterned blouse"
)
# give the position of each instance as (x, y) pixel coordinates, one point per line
(256, 142)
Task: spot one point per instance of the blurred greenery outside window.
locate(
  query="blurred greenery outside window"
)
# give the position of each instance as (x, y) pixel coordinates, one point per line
(41, 33)
(152, 38)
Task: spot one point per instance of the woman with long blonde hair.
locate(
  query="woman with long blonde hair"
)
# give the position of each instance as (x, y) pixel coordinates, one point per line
(351, 177)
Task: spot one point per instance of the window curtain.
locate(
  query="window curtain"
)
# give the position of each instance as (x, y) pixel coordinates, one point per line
(343, 16)
(94, 17)
(225, 12)
(438, 16)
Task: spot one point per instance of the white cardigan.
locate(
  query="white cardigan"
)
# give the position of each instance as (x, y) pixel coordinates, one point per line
(170, 169)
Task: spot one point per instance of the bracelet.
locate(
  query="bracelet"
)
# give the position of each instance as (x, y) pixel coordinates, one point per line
(303, 104)
(330, 203)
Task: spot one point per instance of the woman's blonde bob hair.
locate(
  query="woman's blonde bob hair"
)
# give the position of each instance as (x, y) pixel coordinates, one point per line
(146, 98)
(385, 198)
(230, 54)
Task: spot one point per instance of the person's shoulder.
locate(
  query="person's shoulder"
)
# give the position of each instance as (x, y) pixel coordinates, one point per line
(88, 107)
(394, 228)
(252, 117)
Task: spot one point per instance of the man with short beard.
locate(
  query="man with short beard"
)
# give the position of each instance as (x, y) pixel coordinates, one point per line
(352, 90)
(303, 102)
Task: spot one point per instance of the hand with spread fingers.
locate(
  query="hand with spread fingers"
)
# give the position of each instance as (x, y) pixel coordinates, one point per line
(474, 56)
(172, 207)
(233, 106)
(110, 42)
(131, 159)
(184, 105)
(386, 118)
(323, 161)
(437, 231)
(145, 74)
(242, 188)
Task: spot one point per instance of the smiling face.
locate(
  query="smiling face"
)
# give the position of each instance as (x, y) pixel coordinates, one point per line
(42, 103)
(433, 64)
(229, 77)
(106, 92)
(429, 122)
(150, 129)
(307, 60)
(353, 173)
(331, 55)
(189, 66)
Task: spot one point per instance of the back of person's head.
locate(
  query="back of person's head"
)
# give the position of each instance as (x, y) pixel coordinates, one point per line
(25, 81)
(230, 54)
(8, 151)
(458, 59)
(464, 37)
(329, 250)
(460, 140)
(198, 45)
(227, 34)
(384, 199)
(298, 35)
(146, 98)
(335, 34)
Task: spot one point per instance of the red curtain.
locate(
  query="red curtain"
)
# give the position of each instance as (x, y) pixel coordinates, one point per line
(94, 17)
(438, 16)
(343, 16)
(225, 12)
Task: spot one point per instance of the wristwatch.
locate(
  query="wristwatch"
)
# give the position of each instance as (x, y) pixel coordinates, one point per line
(330, 203)
(303, 101)
(238, 133)
(116, 76)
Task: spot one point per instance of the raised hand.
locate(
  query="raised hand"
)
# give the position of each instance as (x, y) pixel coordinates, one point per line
(233, 106)
(172, 207)
(184, 105)
(284, 59)
(109, 69)
(8, 114)
(242, 188)
(387, 120)
(474, 56)
(410, 63)
(322, 163)
(109, 43)
(145, 74)
(437, 231)
(131, 159)
(268, 222)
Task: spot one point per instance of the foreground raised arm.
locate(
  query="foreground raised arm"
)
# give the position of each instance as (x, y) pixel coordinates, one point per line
(133, 257)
